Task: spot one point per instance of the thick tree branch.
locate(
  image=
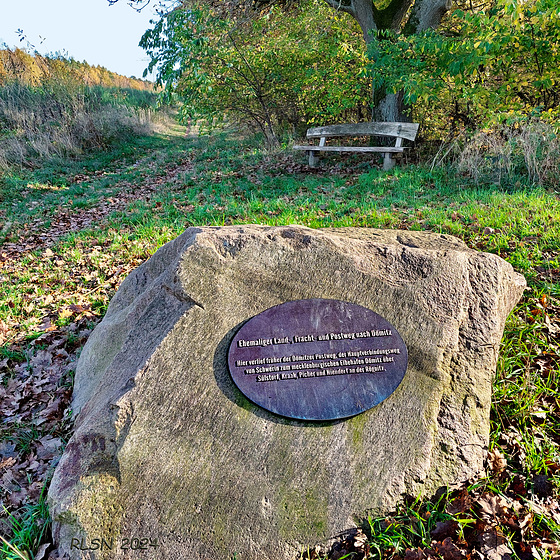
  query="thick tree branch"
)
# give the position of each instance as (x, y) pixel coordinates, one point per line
(338, 5)
(426, 14)
(392, 15)
(363, 13)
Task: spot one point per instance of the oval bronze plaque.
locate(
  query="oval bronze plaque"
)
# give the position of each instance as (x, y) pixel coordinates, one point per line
(317, 359)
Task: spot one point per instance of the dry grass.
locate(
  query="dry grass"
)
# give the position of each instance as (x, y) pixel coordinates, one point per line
(54, 120)
(56, 107)
(530, 148)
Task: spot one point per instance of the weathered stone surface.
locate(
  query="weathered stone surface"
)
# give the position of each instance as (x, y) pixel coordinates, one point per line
(167, 448)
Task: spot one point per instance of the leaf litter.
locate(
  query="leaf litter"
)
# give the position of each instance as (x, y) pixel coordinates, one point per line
(40, 234)
(42, 334)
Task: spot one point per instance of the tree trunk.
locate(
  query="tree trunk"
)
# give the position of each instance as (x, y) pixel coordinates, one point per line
(426, 14)
(390, 107)
(387, 107)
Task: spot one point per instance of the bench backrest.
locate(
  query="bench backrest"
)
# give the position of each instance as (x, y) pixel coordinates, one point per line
(407, 131)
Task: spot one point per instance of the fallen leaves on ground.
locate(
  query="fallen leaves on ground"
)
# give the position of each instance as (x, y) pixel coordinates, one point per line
(53, 297)
(481, 524)
(76, 282)
(61, 296)
(41, 234)
(47, 280)
(35, 393)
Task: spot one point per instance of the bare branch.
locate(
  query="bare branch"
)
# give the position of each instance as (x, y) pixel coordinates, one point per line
(138, 5)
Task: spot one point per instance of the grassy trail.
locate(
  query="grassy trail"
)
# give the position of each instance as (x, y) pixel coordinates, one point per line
(86, 198)
(72, 230)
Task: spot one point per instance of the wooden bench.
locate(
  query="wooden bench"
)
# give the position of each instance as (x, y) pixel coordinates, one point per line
(400, 131)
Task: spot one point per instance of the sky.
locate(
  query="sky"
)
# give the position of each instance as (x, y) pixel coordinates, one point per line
(89, 30)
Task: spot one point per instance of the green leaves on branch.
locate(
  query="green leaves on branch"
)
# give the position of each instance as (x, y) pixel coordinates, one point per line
(480, 65)
(279, 69)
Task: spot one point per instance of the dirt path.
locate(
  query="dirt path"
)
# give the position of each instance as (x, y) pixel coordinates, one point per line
(39, 233)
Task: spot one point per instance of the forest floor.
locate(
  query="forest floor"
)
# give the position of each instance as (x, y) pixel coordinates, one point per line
(71, 230)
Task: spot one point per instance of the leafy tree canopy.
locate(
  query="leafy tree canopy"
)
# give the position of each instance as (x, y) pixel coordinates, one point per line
(410, 16)
(289, 67)
(481, 66)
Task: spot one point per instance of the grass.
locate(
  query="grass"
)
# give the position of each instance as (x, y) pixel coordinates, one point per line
(526, 390)
(29, 528)
(73, 229)
(413, 525)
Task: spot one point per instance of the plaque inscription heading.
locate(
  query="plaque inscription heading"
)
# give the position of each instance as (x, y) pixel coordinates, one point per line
(317, 359)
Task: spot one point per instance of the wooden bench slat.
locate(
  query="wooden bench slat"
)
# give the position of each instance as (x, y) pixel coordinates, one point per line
(407, 131)
(399, 131)
(387, 149)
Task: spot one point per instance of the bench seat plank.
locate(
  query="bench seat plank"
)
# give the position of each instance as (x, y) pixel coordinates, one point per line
(398, 130)
(386, 149)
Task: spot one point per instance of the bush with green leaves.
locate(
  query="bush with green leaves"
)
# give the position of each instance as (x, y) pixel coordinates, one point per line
(481, 67)
(279, 69)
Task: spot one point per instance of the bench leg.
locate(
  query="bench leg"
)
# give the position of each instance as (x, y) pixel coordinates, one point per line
(388, 162)
(313, 159)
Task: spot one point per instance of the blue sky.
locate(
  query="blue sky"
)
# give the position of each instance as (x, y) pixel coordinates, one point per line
(89, 30)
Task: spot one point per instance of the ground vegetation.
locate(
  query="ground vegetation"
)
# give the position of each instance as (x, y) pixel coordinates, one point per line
(52, 106)
(71, 235)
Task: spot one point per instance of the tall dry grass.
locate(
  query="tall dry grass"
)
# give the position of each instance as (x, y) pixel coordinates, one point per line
(528, 148)
(56, 107)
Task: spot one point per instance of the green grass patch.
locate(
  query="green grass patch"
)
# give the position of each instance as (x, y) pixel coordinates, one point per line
(29, 527)
(78, 227)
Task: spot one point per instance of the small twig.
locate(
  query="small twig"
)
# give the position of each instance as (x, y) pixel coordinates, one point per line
(442, 158)
(20, 554)
(95, 289)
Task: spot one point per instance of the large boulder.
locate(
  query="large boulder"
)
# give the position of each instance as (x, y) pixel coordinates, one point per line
(166, 447)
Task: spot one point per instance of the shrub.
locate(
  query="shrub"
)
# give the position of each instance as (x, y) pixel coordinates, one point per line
(484, 64)
(276, 70)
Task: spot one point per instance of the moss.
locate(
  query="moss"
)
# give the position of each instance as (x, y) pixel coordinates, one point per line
(356, 427)
(303, 514)
(99, 510)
